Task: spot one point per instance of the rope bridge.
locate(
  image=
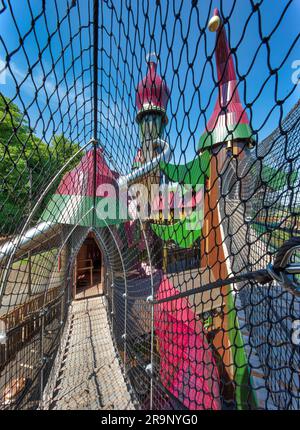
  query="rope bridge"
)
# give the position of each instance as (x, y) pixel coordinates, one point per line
(159, 141)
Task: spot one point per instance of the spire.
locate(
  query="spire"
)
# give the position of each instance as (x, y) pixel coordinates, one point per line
(229, 120)
(152, 92)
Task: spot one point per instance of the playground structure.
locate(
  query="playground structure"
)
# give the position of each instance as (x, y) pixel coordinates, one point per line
(194, 321)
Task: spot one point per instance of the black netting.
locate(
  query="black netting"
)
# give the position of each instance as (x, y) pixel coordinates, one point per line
(140, 174)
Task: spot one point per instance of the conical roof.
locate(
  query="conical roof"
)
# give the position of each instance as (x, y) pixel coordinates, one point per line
(80, 180)
(152, 92)
(229, 120)
(73, 202)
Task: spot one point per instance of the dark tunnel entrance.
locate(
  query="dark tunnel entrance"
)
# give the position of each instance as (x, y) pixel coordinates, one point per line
(88, 270)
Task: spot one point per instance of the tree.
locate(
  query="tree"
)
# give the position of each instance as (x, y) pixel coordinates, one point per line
(27, 164)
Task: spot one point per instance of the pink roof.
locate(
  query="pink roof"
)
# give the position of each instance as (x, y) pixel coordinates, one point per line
(229, 98)
(152, 90)
(80, 180)
(187, 365)
(225, 65)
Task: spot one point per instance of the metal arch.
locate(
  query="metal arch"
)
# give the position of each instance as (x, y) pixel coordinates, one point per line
(152, 304)
(152, 316)
(60, 249)
(126, 295)
(76, 250)
(40, 199)
(126, 292)
(63, 244)
(70, 264)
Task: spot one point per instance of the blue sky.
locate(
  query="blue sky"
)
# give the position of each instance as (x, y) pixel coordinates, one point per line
(182, 41)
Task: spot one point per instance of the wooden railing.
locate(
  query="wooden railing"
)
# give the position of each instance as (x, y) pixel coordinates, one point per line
(24, 322)
(17, 315)
(89, 268)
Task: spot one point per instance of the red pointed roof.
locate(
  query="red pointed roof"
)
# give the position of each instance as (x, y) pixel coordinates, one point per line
(229, 120)
(80, 180)
(224, 59)
(152, 92)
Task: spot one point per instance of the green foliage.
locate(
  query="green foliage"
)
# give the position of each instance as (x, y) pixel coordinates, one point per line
(27, 164)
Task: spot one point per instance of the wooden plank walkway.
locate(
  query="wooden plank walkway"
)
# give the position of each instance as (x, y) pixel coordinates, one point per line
(90, 376)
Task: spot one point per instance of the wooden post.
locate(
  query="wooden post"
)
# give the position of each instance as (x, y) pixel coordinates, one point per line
(75, 280)
(29, 274)
(204, 243)
(165, 258)
(91, 274)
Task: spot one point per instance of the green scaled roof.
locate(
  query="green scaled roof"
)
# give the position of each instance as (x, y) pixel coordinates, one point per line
(224, 134)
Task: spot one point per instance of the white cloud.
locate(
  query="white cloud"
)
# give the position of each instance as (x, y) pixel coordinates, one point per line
(29, 84)
(3, 72)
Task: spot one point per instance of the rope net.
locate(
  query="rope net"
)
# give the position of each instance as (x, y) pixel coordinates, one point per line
(150, 149)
